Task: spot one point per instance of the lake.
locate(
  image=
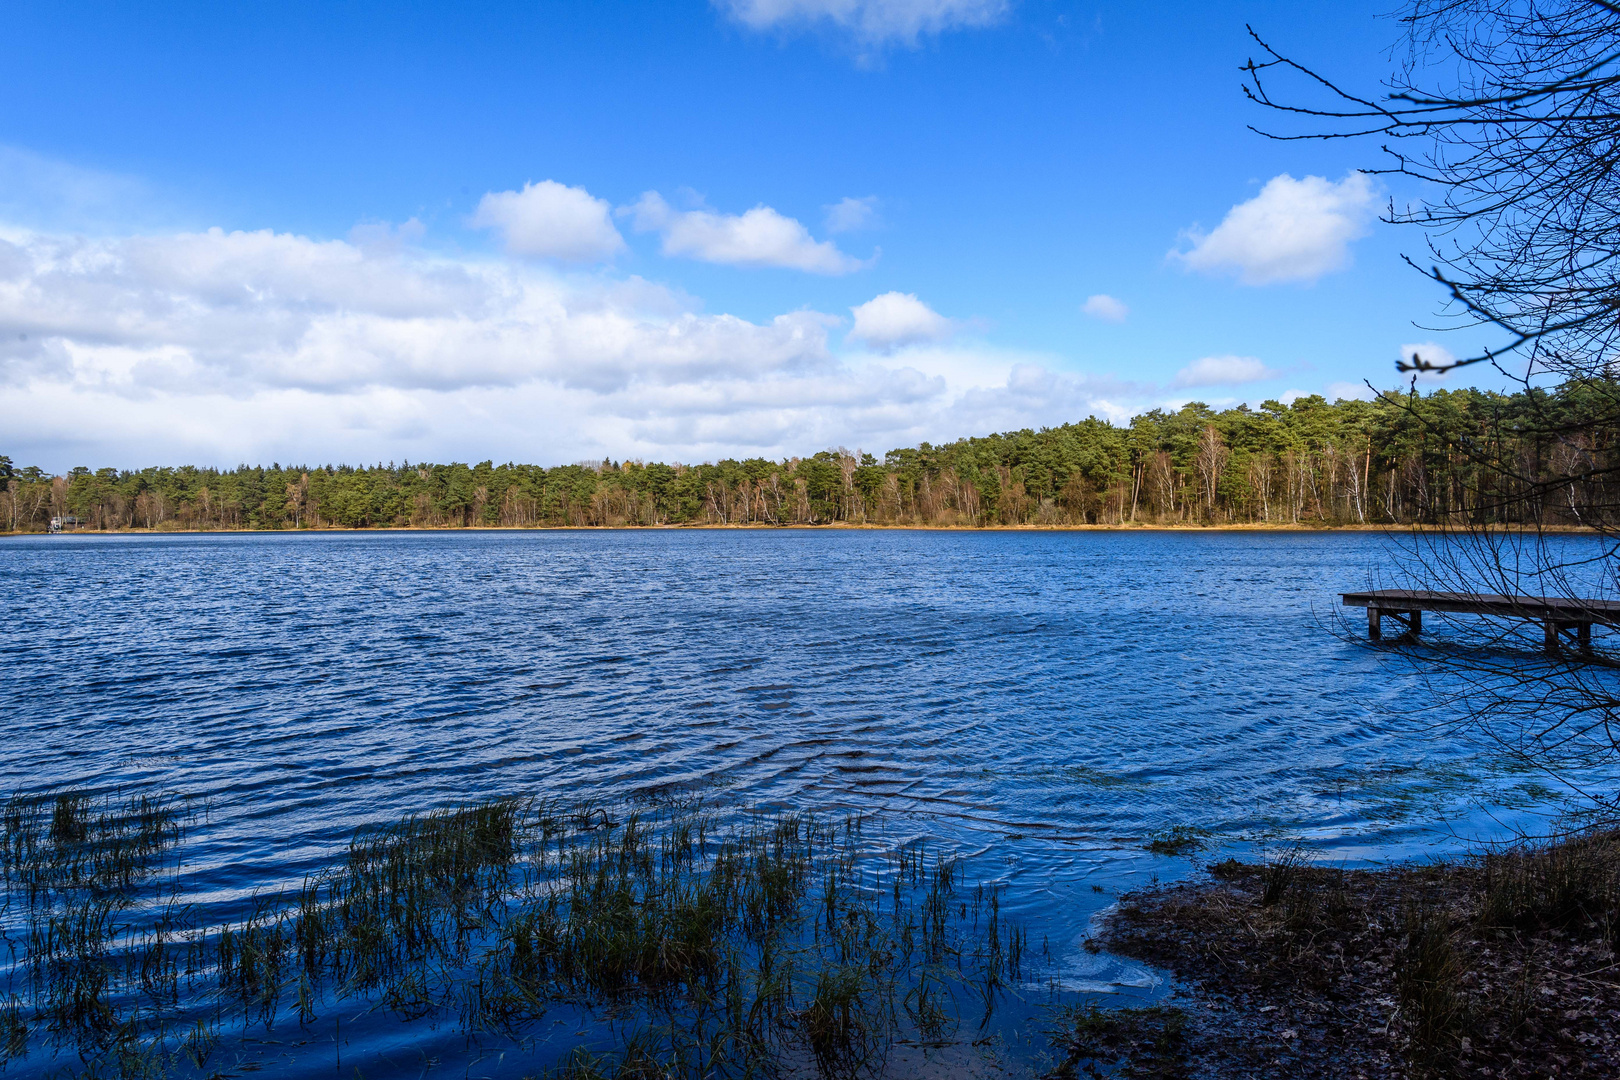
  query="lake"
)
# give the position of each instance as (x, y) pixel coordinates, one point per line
(1042, 703)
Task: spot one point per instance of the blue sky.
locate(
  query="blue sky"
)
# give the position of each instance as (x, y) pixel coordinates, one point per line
(553, 232)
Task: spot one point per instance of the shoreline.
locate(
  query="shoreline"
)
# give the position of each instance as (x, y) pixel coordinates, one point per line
(1500, 964)
(840, 526)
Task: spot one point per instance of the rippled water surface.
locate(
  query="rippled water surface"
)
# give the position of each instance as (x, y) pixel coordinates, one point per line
(1039, 701)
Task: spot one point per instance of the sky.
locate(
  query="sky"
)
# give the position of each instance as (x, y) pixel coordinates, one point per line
(682, 231)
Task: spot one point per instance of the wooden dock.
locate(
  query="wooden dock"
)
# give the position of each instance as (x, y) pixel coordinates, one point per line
(1557, 615)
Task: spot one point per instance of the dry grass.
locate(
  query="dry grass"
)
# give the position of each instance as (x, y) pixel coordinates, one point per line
(1500, 965)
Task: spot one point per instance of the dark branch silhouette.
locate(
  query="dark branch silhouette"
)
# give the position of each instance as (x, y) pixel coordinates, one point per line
(1508, 113)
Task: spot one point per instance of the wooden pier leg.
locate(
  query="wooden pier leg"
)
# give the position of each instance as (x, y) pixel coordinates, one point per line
(1551, 636)
(1374, 630)
(1415, 623)
(1584, 635)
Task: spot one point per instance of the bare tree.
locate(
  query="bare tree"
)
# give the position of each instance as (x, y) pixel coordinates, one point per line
(1260, 471)
(1210, 461)
(1508, 111)
(1165, 482)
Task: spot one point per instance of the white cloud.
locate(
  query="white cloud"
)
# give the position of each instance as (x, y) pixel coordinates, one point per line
(1294, 230)
(759, 237)
(1106, 308)
(385, 238)
(871, 22)
(216, 347)
(270, 310)
(551, 221)
(1348, 391)
(1222, 371)
(894, 319)
(850, 214)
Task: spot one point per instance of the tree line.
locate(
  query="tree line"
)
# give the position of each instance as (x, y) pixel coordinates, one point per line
(1399, 459)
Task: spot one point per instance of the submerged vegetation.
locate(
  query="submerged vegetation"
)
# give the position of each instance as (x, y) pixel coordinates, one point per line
(682, 946)
(1395, 460)
(1178, 840)
(1501, 965)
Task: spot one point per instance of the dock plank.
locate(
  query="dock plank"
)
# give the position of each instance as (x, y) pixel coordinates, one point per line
(1558, 614)
(1562, 608)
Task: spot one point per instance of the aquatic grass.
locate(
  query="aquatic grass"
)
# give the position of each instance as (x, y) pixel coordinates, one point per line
(1141, 1042)
(1177, 840)
(1398, 792)
(847, 1021)
(725, 949)
(75, 866)
(67, 841)
(1091, 777)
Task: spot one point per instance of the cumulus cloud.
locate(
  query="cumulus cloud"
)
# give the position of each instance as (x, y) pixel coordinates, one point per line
(870, 22)
(1106, 308)
(385, 238)
(1348, 391)
(250, 310)
(1221, 371)
(759, 237)
(850, 214)
(549, 220)
(1293, 231)
(219, 347)
(894, 319)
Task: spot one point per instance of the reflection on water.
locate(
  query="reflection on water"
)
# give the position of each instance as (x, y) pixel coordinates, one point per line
(1042, 703)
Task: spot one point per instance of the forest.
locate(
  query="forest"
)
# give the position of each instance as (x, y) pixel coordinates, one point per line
(1448, 457)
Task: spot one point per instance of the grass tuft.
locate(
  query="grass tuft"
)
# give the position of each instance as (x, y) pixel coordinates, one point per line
(1178, 840)
(1428, 969)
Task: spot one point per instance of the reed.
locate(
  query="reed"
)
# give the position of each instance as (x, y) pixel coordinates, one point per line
(98, 957)
(711, 949)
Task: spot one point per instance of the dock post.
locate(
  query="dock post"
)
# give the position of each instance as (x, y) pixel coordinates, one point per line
(1568, 625)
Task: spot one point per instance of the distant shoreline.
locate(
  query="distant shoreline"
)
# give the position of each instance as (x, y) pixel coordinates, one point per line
(839, 526)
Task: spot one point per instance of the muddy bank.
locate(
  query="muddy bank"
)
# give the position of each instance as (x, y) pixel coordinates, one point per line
(1501, 965)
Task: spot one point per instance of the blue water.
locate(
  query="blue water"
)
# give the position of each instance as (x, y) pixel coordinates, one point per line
(1040, 702)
